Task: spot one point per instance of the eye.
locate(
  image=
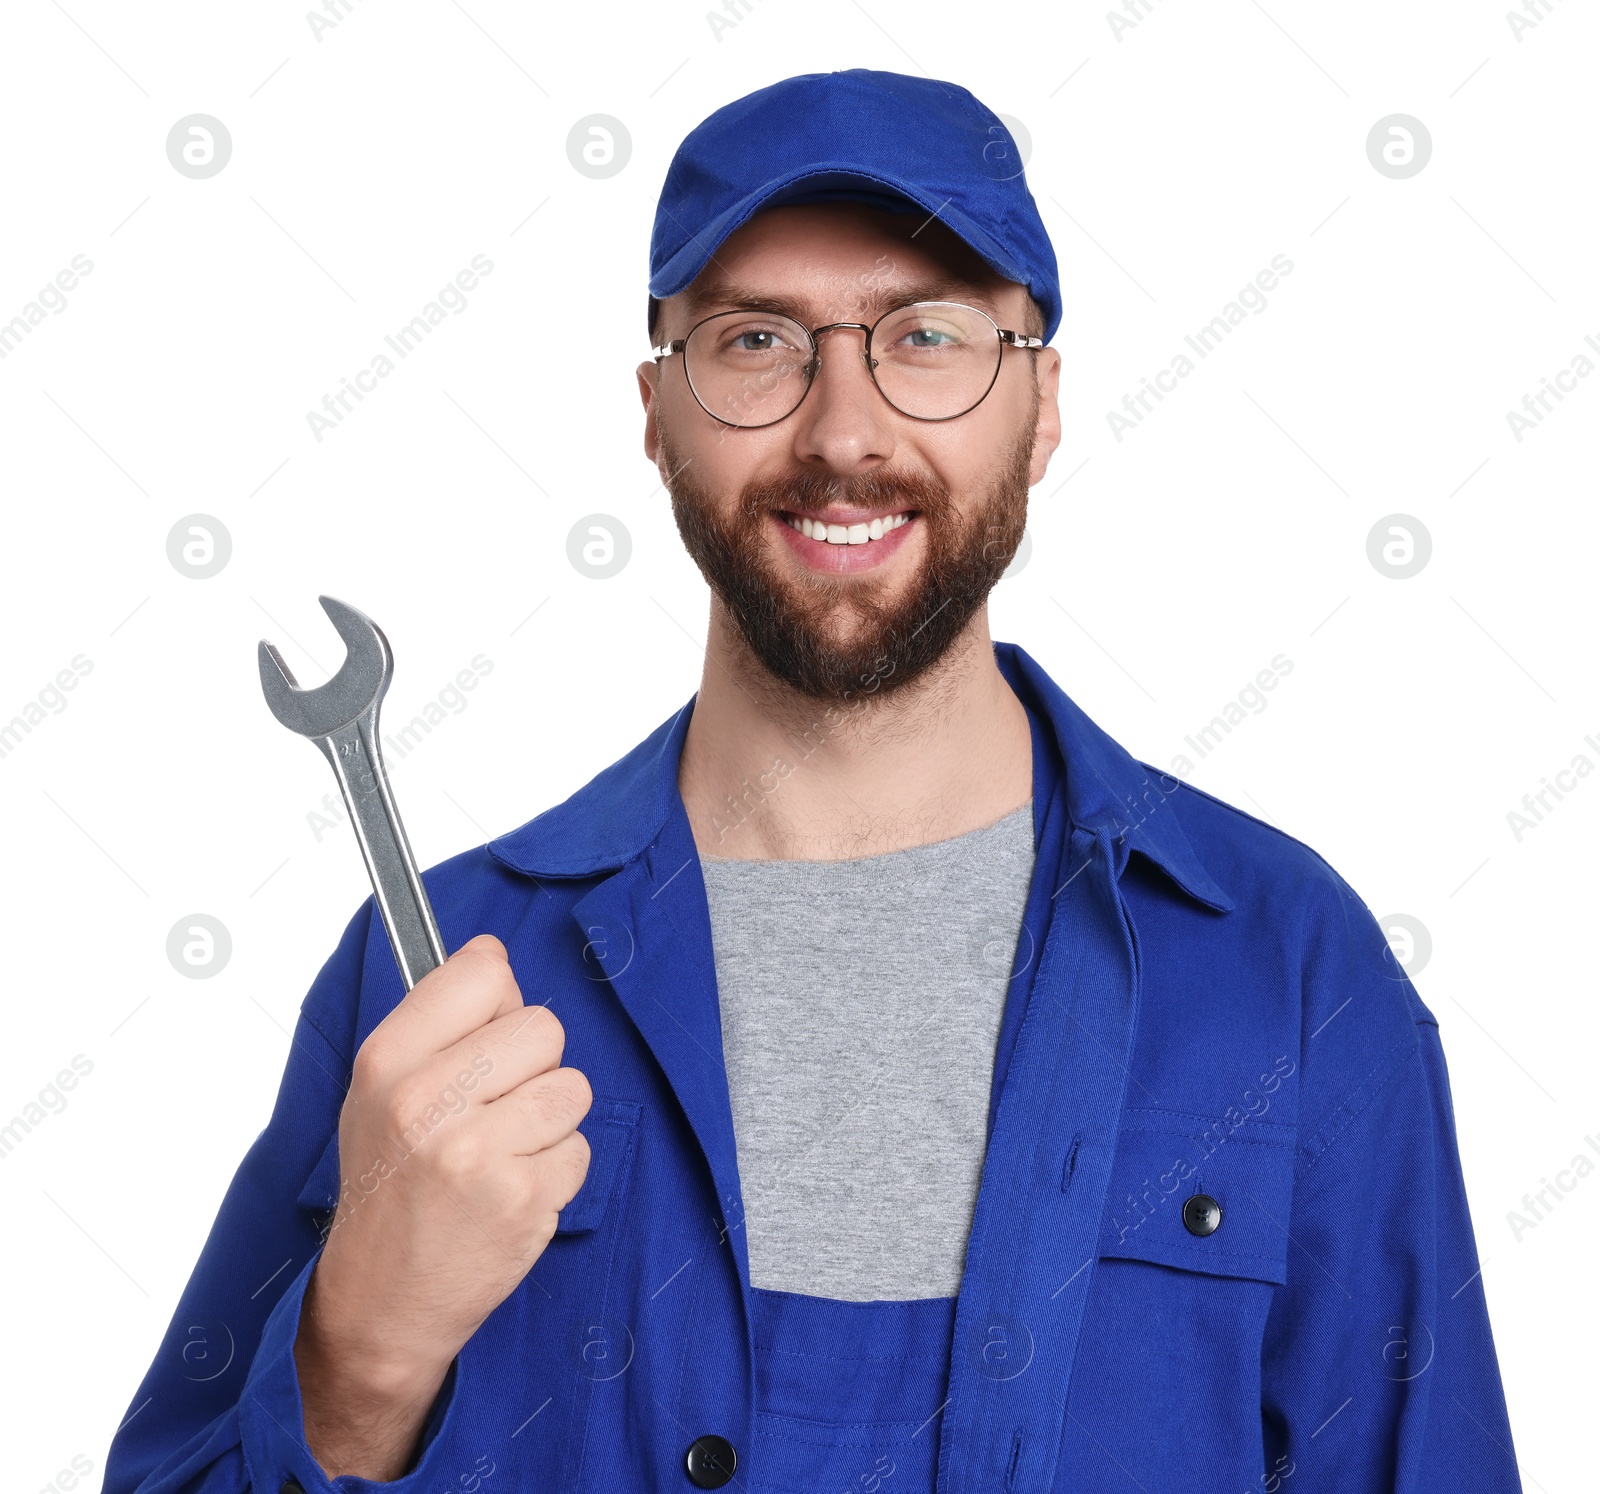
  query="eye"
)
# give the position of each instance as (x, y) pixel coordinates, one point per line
(754, 338)
(928, 337)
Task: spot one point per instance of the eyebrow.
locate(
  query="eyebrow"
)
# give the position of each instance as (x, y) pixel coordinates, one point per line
(728, 295)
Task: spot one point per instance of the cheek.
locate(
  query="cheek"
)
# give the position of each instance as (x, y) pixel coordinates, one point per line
(967, 455)
(723, 460)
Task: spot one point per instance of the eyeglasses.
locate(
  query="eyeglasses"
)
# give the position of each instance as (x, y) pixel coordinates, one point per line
(933, 360)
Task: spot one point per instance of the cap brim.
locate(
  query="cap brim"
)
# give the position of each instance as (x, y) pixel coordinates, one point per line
(822, 184)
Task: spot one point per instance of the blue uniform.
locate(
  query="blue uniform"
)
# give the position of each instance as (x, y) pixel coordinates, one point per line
(1221, 1239)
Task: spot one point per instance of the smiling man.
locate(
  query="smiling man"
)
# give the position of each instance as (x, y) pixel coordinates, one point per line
(878, 1079)
(849, 467)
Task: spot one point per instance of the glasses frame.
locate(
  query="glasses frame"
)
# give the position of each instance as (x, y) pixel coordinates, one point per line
(1005, 336)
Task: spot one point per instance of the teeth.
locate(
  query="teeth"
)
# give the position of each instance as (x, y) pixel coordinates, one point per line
(846, 534)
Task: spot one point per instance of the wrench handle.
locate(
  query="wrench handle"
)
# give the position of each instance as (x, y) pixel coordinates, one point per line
(396, 884)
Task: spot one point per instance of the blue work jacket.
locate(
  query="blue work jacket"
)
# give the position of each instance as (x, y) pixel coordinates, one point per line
(1221, 1240)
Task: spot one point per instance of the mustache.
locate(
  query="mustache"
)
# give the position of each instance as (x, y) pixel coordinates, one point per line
(800, 492)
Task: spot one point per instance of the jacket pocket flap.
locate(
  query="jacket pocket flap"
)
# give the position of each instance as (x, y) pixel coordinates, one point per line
(1165, 1157)
(609, 1127)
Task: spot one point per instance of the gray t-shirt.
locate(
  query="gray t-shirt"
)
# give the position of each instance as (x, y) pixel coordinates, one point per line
(861, 1004)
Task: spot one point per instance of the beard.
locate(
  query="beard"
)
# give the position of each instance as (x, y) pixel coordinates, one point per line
(793, 626)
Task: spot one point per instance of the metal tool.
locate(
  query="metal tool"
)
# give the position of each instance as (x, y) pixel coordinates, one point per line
(341, 717)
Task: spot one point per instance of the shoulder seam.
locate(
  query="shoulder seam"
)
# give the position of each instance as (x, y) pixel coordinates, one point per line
(1378, 1079)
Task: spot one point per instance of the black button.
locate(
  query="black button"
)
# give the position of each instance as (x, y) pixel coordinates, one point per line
(291, 1487)
(1202, 1214)
(710, 1461)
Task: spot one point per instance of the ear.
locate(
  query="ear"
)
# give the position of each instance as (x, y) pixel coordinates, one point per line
(647, 373)
(1048, 435)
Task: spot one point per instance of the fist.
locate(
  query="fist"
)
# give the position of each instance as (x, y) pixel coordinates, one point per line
(458, 1146)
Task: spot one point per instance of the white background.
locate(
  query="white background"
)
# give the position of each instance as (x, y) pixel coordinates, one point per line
(370, 166)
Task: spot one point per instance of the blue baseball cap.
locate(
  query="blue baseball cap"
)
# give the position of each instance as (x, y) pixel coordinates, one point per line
(901, 143)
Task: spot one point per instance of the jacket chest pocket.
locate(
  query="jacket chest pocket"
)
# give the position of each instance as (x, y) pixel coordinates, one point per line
(1197, 1194)
(610, 1128)
(1193, 1251)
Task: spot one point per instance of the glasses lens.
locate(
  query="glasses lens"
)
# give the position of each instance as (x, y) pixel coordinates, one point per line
(936, 359)
(748, 367)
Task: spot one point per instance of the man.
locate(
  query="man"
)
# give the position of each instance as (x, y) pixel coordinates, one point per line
(877, 1079)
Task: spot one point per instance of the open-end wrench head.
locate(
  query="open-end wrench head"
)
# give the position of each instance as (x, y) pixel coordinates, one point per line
(359, 684)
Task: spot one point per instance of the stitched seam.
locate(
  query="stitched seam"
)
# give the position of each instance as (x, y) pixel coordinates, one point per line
(1321, 1143)
(333, 1047)
(1197, 1115)
(1286, 1143)
(772, 1349)
(826, 1426)
(1201, 1260)
(629, 1125)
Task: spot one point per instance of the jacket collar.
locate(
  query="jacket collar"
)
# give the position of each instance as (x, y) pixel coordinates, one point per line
(621, 811)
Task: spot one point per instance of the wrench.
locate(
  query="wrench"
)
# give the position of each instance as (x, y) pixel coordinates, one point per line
(341, 717)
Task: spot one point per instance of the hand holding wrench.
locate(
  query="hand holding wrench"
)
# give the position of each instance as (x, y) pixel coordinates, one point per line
(407, 1274)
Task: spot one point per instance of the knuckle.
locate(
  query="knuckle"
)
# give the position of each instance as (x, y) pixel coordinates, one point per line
(544, 1027)
(502, 981)
(559, 1102)
(583, 1092)
(460, 1153)
(370, 1070)
(571, 1094)
(487, 946)
(486, 961)
(405, 1105)
(536, 1033)
(562, 1169)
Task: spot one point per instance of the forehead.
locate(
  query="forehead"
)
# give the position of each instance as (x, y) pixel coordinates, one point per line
(838, 259)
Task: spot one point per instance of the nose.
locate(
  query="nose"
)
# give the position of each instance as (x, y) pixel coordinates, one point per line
(843, 424)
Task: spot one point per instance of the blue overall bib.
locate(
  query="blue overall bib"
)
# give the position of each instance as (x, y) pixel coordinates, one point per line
(847, 1393)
